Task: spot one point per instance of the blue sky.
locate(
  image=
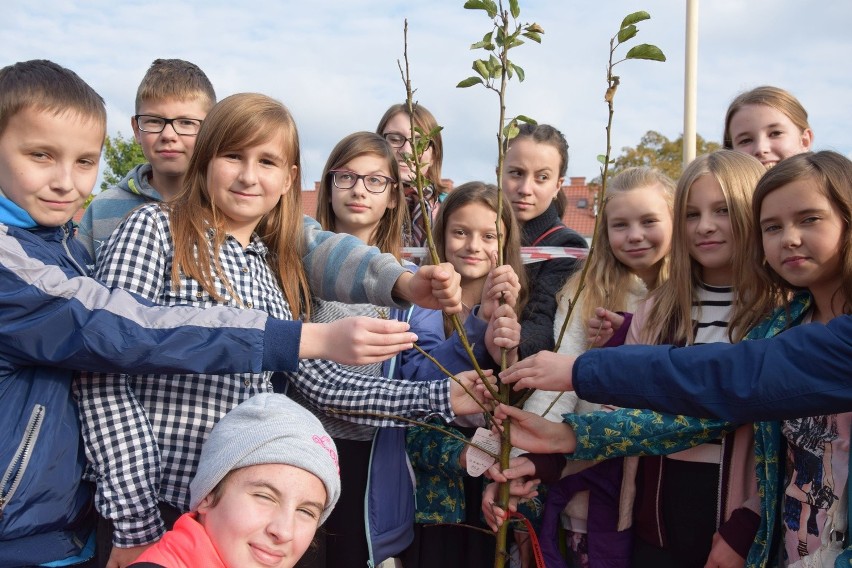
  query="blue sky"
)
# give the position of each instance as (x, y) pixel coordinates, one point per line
(334, 64)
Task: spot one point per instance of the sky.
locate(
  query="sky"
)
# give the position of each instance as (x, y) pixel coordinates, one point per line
(335, 64)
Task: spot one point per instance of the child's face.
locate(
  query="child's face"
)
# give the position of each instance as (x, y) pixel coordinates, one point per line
(802, 236)
(247, 183)
(767, 134)
(356, 210)
(470, 239)
(49, 163)
(708, 231)
(531, 177)
(266, 516)
(639, 228)
(167, 151)
(401, 124)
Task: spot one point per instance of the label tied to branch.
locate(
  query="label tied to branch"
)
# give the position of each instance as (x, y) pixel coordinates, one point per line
(479, 461)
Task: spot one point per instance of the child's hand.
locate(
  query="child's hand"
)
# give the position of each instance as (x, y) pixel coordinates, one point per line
(503, 331)
(355, 340)
(722, 555)
(461, 402)
(518, 489)
(535, 434)
(602, 326)
(545, 370)
(501, 283)
(519, 467)
(437, 287)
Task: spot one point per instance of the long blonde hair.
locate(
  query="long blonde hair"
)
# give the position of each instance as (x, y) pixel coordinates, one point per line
(387, 235)
(240, 121)
(608, 280)
(670, 319)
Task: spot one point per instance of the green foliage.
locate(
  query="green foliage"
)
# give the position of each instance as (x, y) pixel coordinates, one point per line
(657, 151)
(121, 155)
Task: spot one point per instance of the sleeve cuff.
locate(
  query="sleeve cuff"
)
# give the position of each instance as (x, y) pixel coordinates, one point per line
(281, 345)
(740, 529)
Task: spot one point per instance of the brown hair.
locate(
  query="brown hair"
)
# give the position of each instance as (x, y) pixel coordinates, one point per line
(45, 86)
(546, 134)
(387, 235)
(779, 99)
(175, 79)
(485, 194)
(424, 120)
(832, 172)
(240, 121)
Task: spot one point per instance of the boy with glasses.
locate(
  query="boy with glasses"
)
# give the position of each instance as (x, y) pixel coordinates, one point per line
(171, 103)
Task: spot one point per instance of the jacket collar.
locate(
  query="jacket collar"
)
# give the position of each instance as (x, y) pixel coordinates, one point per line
(14, 216)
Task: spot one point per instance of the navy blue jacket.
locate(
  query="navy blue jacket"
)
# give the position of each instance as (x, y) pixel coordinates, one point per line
(804, 371)
(53, 321)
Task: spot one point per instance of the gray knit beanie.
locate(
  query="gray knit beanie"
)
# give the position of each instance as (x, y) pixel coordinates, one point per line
(267, 428)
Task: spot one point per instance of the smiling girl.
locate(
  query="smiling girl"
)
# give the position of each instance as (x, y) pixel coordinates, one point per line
(768, 123)
(395, 127)
(802, 210)
(233, 237)
(634, 238)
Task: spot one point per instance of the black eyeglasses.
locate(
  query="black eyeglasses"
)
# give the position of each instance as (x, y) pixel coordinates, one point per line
(156, 124)
(397, 140)
(374, 183)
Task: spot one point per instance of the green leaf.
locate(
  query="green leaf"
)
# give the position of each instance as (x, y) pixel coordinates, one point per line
(535, 28)
(526, 119)
(491, 8)
(646, 51)
(469, 82)
(435, 131)
(519, 71)
(602, 159)
(501, 37)
(515, 43)
(634, 18)
(535, 36)
(627, 33)
(514, 8)
(511, 130)
(494, 66)
(481, 67)
(482, 44)
(475, 5)
(509, 71)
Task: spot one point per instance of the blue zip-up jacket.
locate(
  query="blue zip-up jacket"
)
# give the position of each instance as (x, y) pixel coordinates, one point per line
(390, 499)
(804, 371)
(53, 321)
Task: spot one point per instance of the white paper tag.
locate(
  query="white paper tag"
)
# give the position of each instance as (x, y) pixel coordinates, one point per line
(478, 461)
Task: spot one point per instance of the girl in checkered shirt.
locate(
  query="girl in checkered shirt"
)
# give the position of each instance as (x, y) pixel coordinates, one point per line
(241, 203)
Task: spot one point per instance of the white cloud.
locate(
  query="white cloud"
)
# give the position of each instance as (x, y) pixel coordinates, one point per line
(334, 64)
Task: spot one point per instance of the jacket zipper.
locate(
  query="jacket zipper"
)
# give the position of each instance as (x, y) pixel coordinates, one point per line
(21, 458)
(65, 234)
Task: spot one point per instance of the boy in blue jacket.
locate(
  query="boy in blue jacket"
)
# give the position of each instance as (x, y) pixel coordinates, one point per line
(55, 320)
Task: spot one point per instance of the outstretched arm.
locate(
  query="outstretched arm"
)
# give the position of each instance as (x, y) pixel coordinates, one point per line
(801, 372)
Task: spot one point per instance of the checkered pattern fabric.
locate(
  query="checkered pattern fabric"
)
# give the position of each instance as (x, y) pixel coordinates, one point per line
(143, 433)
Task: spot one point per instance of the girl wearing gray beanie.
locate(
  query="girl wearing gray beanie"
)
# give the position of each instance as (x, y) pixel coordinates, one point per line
(267, 479)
